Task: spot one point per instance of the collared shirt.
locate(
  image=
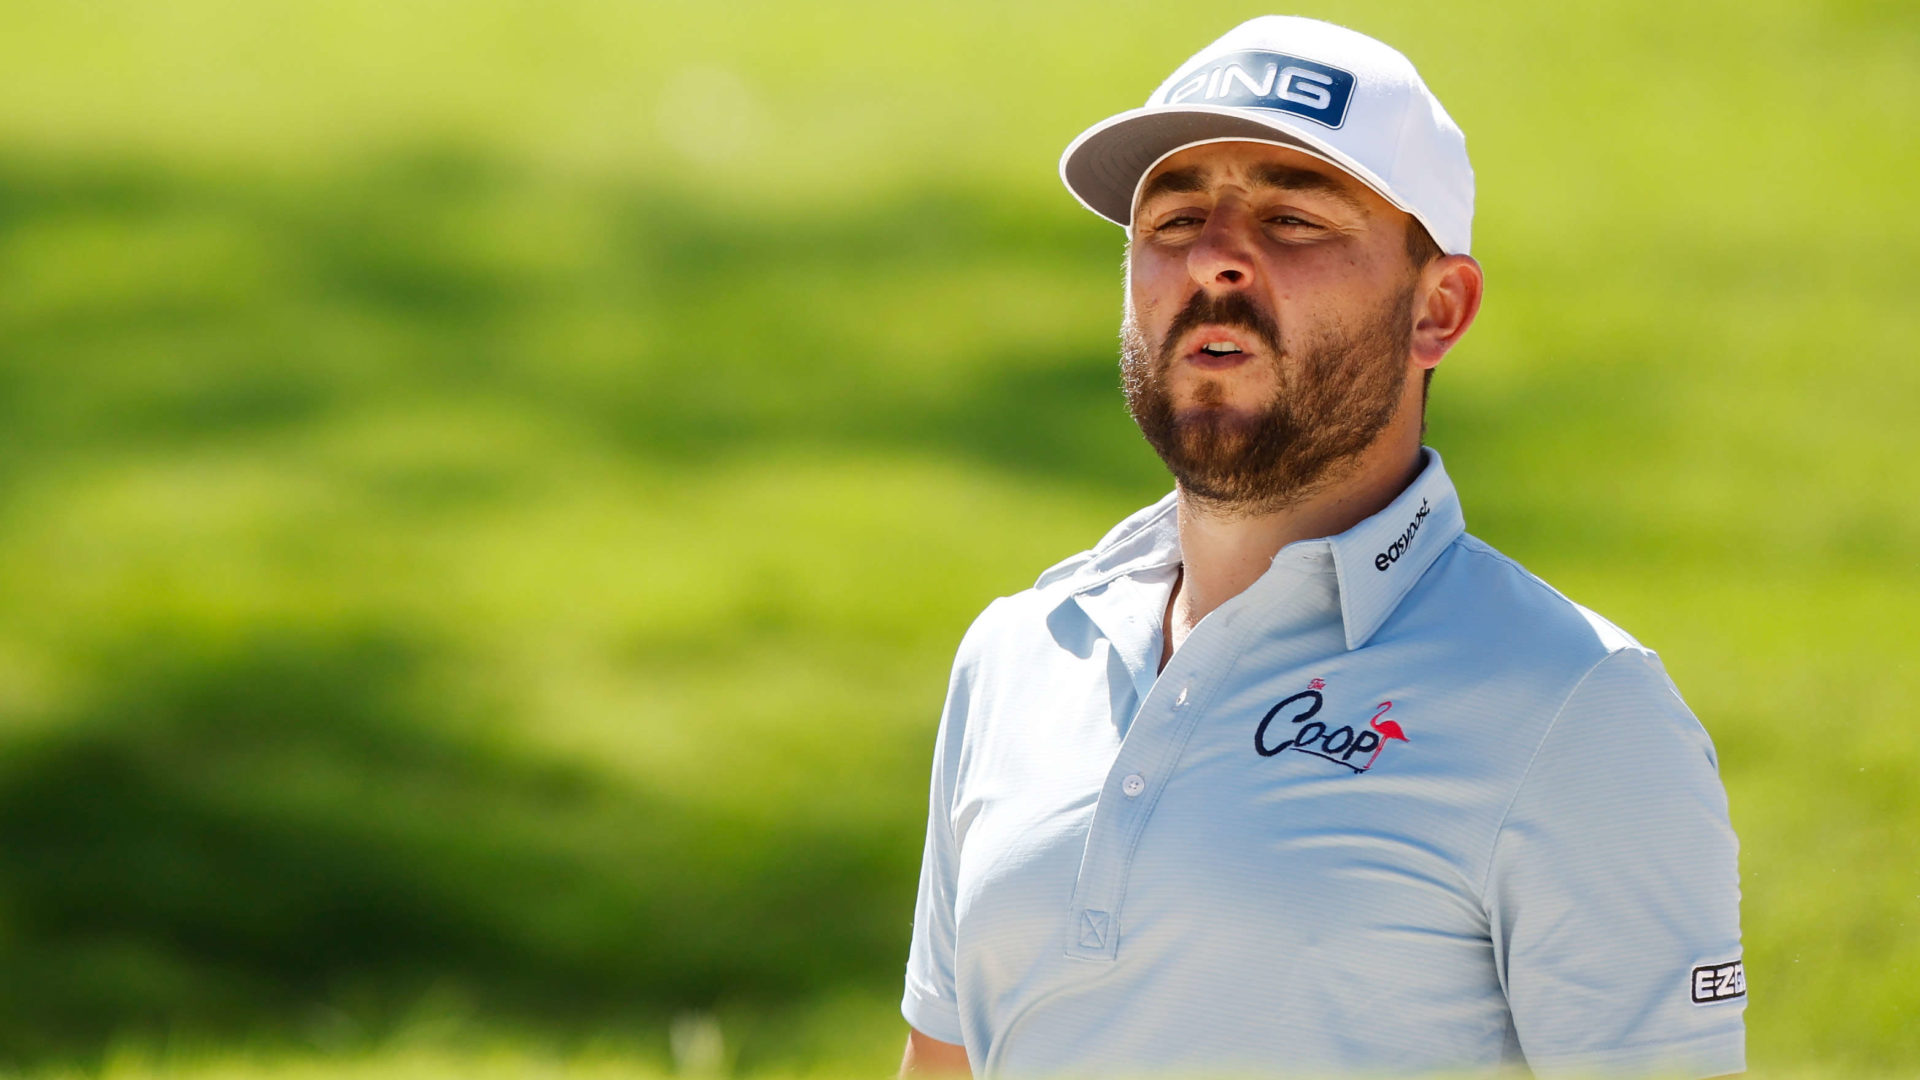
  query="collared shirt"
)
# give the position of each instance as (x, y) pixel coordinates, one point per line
(1397, 807)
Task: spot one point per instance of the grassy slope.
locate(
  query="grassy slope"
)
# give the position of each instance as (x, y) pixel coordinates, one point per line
(493, 488)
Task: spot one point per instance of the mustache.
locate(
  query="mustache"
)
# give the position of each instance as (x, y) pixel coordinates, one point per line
(1232, 310)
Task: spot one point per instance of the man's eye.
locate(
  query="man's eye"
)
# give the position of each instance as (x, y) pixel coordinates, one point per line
(1179, 222)
(1289, 219)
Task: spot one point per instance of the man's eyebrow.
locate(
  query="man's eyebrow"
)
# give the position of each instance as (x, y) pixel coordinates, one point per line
(1180, 180)
(1291, 179)
(1283, 177)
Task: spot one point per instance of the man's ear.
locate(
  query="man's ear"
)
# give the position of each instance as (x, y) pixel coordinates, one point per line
(1445, 302)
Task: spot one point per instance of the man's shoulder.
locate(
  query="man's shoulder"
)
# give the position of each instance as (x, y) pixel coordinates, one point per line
(1516, 648)
(1008, 620)
(1482, 599)
(1137, 536)
(1011, 621)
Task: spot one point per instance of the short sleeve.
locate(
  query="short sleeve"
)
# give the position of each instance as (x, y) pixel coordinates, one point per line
(931, 1003)
(1614, 890)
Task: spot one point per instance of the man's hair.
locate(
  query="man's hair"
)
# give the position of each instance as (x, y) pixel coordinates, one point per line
(1420, 247)
(1421, 250)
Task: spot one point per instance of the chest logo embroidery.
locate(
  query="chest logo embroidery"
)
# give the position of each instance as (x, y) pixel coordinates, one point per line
(1290, 725)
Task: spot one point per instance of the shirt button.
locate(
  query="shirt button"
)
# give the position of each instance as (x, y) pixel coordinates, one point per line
(1133, 785)
(1181, 701)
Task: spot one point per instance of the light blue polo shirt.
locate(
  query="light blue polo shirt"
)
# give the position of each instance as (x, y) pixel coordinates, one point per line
(1398, 807)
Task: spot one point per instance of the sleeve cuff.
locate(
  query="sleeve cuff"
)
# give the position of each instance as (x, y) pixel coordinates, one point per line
(1719, 1054)
(933, 1017)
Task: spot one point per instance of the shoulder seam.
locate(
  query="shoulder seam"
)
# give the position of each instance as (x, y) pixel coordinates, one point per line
(1477, 546)
(1469, 542)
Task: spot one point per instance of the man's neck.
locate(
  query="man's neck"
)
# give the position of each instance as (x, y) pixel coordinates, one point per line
(1222, 552)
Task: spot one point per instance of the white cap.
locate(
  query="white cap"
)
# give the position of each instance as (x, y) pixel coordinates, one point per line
(1322, 89)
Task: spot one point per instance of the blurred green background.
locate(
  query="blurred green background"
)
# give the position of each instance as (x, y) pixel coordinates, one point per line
(490, 489)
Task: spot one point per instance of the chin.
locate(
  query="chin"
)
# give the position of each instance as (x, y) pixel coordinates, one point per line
(1218, 422)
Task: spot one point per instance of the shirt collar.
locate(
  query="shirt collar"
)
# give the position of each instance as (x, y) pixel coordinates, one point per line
(1376, 562)
(1380, 559)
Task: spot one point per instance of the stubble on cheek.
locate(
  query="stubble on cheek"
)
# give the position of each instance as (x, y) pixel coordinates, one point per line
(1143, 385)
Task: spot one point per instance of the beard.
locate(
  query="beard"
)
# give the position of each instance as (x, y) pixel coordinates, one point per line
(1333, 397)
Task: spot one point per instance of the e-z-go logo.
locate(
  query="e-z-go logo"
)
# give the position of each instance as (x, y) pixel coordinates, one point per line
(1293, 718)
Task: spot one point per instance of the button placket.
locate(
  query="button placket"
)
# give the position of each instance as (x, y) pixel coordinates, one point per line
(1152, 747)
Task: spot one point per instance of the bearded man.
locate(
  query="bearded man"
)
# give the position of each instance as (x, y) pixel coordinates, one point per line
(1289, 774)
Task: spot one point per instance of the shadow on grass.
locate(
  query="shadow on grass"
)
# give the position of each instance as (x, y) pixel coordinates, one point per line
(251, 840)
(233, 837)
(166, 309)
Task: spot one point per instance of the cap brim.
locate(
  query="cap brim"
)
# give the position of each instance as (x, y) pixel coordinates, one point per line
(1104, 166)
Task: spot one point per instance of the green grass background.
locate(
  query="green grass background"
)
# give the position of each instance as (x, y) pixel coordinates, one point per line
(490, 489)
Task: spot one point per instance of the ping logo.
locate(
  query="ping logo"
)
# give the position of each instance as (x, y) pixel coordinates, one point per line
(1269, 80)
(1339, 745)
(1404, 541)
(1718, 982)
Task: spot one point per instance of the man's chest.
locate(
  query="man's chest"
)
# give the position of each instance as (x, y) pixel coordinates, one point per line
(1289, 795)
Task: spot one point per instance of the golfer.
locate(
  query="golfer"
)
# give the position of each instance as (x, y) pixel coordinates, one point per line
(1289, 774)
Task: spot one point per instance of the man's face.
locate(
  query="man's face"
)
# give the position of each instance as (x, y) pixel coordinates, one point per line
(1269, 310)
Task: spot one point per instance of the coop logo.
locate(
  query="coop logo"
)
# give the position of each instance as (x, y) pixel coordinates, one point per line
(1718, 982)
(1404, 541)
(1269, 80)
(1290, 725)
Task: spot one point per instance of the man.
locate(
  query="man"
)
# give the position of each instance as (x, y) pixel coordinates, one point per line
(1289, 774)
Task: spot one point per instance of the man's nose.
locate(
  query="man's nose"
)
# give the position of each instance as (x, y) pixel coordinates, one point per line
(1221, 258)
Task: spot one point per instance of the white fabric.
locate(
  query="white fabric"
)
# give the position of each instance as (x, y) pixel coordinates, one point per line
(1385, 126)
(1529, 875)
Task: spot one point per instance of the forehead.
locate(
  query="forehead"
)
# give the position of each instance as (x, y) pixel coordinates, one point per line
(1254, 166)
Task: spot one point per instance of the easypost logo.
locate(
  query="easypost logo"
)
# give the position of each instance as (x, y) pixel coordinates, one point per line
(1404, 541)
(1269, 80)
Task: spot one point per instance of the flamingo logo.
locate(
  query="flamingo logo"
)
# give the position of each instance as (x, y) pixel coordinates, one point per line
(1388, 730)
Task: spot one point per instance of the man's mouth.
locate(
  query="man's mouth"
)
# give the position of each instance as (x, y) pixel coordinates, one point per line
(1217, 354)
